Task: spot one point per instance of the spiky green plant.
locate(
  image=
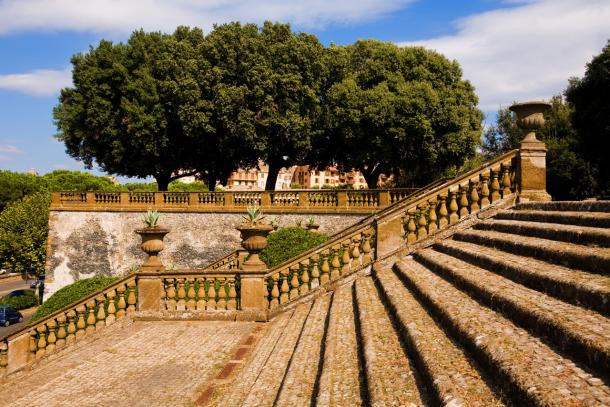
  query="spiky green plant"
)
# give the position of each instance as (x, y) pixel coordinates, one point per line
(255, 214)
(311, 220)
(151, 219)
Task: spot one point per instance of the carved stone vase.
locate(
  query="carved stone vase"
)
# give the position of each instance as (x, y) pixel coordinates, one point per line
(530, 117)
(254, 240)
(152, 245)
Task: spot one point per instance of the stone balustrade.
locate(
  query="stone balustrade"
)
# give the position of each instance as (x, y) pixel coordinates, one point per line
(315, 201)
(196, 293)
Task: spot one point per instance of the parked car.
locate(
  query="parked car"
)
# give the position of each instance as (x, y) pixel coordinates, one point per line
(20, 293)
(9, 315)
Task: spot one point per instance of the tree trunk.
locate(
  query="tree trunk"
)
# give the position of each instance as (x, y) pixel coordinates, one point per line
(162, 181)
(371, 176)
(211, 180)
(274, 170)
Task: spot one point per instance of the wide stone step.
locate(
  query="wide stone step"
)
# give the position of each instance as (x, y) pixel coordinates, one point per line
(572, 255)
(389, 375)
(572, 206)
(265, 389)
(245, 378)
(574, 286)
(529, 370)
(447, 370)
(566, 233)
(592, 219)
(580, 332)
(298, 385)
(339, 384)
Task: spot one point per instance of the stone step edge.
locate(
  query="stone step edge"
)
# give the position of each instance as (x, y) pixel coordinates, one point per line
(415, 355)
(583, 235)
(592, 219)
(573, 293)
(571, 343)
(587, 206)
(583, 258)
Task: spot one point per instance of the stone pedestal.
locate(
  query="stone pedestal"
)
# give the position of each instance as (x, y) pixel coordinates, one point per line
(253, 292)
(389, 236)
(150, 290)
(531, 176)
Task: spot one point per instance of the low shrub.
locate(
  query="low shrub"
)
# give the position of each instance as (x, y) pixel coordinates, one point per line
(72, 293)
(25, 301)
(289, 242)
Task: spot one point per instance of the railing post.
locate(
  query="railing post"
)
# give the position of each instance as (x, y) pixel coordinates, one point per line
(531, 174)
(150, 290)
(389, 235)
(55, 198)
(265, 199)
(90, 198)
(229, 199)
(124, 198)
(342, 199)
(303, 199)
(18, 352)
(384, 198)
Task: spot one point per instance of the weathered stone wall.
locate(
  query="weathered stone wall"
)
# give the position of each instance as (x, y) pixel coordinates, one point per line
(86, 244)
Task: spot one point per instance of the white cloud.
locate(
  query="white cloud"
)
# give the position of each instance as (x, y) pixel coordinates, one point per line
(528, 51)
(9, 149)
(111, 16)
(41, 82)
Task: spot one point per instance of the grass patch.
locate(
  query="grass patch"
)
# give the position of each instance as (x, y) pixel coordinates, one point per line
(72, 293)
(289, 242)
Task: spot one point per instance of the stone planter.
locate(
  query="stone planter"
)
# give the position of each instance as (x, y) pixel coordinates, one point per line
(152, 245)
(313, 226)
(254, 240)
(530, 117)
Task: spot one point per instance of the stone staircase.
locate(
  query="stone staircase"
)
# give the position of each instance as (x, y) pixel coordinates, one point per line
(513, 311)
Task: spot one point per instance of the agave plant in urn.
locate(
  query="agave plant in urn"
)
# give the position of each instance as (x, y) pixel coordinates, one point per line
(152, 241)
(254, 237)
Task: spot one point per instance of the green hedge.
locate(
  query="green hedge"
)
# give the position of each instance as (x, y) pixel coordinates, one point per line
(25, 301)
(72, 293)
(289, 242)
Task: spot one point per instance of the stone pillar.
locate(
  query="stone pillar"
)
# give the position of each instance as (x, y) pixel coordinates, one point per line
(150, 290)
(342, 199)
(531, 173)
(389, 236)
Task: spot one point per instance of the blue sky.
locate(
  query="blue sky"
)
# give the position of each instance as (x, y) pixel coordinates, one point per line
(511, 50)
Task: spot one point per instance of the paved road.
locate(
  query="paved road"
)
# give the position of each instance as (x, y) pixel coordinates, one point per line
(6, 286)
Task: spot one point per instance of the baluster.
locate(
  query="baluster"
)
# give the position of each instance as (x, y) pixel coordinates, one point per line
(432, 219)
(443, 214)
(495, 186)
(411, 237)
(232, 301)
(294, 282)
(181, 305)
(422, 223)
(200, 294)
(463, 201)
(304, 270)
(222, 295)
(346, 255)
(51, 337)
(121, 303)
(484, 190)
(71, 326)
(335, 264)
(110, 295)
(170, 294)
(315, 272)
(325, 277)
(101, 311)
(275, 291)
(131, 298)
(211, 303)
(355, 251)
(80, 323)
(61, 330)
(41, 344)
(190, 304)
(285, 289)
(33, 346)
(505, 180)
(453, 208)
(3, 357)
(90, 317)
(366, 246)
(474, 196)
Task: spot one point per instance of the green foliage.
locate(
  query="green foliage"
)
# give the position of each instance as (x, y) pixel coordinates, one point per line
(197, 186)
(255, 214)
(295, 185)
(25, 301)
(289, 242)
(591, 117)
(24, 226)
(64, 180)
(391, 109)
(140, 187)
(15, 185)
(70, 294)
(151, 219)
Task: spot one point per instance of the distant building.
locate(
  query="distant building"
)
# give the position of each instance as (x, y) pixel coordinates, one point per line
(255, 179)
(309, 177)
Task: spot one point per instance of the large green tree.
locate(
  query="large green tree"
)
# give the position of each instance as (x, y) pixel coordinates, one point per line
(136, 109)
(401, 110)
(591, 117)
(15, 185)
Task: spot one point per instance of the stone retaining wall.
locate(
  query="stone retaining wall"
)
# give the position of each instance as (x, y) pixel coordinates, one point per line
(86, 244)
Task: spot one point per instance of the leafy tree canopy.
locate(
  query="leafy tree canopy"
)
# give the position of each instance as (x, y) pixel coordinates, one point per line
(399, 110)
(15, 185)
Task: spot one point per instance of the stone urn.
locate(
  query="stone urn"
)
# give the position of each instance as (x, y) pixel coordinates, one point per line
(254, 240)
(530, 117)
(152, 245)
